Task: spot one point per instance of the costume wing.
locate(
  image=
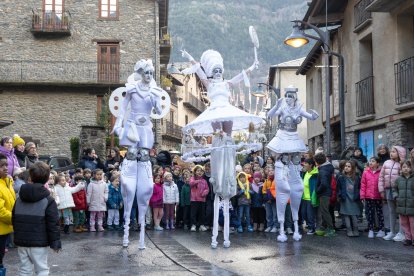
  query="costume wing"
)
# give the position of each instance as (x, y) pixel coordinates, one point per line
(165, 105)
(116, 99)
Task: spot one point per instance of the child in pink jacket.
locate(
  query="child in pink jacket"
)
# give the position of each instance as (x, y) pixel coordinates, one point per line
(390, 171)
(199, 192)
(370, 195)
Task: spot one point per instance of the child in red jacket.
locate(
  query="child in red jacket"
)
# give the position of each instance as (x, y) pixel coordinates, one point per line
(80, 208)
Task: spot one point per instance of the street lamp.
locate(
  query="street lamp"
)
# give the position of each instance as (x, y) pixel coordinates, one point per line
(260, 93)
(299, 38)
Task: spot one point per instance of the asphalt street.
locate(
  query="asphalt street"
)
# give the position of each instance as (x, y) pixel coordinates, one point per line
(180, 252)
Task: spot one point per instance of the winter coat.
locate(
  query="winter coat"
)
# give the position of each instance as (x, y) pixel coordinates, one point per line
(170, 193)
(390, 171)
(115, 199)
(21, 157)
(156, 199)
(256, 198)
(360, 161)
(341, 188)
(369, 184)
(7, 200)
(30, 160)
(404, 194)
(80, 201)
(65, 195)
(12, 162)
(97, 195)
(185, 195)
(210, 195)
(242, 197)
(309, 181)
(267, 195)
(36, 218)
(199, 189)
(323, 184)
(88, 162)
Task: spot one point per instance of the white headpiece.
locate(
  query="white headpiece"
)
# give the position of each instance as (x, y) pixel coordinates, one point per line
(143, 65)
(210, 60)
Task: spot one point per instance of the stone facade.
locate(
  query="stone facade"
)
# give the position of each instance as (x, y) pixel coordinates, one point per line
(93, 137)
(49, 84)
(400, 132)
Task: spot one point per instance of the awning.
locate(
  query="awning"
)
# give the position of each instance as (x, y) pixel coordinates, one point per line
(4, 123)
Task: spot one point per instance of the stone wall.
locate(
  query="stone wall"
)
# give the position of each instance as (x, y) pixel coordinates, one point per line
(51, 116)
(93, 137)
(400, 132)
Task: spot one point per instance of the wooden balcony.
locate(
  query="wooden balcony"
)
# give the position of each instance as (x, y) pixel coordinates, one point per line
(365, 97)
(63, 72)
(362, 17)
(56, 23)
(404, 81)
(165, 46)
(191, 102)
(171, 131)
(384, 5)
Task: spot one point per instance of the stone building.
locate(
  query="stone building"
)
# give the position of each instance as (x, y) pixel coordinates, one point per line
(376, 39)
(60, 58)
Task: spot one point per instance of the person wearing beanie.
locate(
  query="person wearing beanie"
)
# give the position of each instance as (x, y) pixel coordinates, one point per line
(18, 145)
(390, 171)
(31, 154)
(258, 211)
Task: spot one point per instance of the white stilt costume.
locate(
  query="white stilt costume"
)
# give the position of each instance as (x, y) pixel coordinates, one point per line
(220, 119)
(288, 146)
(133, 125)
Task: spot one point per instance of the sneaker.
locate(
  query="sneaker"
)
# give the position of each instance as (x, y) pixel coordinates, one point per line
(240, 229)
(100, 228)
(92, 229)
(320, 232)
(268, 229)
(380, 234)
(311, 232)
(232, 230)
(407, 242)
(203, 228)
(370, 234)
(389, 236)
(289, 231)
(193, 228)
(158, 228)
(274, 230)
(399, 237)
(249, 228)
(167, 227)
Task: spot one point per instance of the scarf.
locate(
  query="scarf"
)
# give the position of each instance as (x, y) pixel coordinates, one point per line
(257, 187)
(241, 185)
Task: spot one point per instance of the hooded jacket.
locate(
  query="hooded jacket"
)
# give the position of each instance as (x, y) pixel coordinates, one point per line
(171, 194)
(404, 194)
(369, 184)
(199, 189)
(12, 162)
(7, 199)
(323, 184)
(390, 171)
(309, 181)
(97, 195)
(65, 195)
(35, 218)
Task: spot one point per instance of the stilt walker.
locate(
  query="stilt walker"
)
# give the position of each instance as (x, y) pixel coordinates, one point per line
(219, 120)
(288, 148)
(134, 105)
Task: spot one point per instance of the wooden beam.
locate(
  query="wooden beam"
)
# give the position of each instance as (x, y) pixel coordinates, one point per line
(332, 18)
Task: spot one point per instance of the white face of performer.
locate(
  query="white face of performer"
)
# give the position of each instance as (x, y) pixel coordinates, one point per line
(218, 73)
(147, 76)
(290, 99)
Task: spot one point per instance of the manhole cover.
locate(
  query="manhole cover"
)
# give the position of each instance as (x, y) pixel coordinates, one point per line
(227, 261)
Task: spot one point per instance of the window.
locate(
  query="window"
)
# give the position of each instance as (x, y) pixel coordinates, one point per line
(108, 9)
(108, 62)
(52, 12)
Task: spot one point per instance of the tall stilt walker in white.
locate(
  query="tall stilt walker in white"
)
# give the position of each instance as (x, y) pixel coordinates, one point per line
(219, 119)
(136, 105)
(288, 146)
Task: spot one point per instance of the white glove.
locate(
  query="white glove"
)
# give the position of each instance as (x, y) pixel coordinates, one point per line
(186, 55)
(118, 126)
(314, 114)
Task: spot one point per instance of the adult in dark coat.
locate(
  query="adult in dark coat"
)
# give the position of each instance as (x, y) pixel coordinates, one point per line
(90, 160)
(18, 145)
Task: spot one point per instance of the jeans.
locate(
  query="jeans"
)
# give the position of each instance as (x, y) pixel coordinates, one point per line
(113, 217)
(271, 214)
(244, 212)
(308, 214)
(33, 257)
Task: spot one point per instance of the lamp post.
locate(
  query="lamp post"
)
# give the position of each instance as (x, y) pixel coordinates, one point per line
(299, 38)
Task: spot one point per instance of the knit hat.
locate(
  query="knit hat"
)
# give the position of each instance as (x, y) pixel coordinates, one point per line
(257, 175)
(166, 174)
(198, 167)
(29, 145)
(17, 140)
(238, 168)
(402, 153)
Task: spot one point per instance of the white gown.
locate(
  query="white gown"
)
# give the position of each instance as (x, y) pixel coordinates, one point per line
(221, 110)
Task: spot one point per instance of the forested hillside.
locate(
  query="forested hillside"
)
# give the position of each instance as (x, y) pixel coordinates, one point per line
(223, 25)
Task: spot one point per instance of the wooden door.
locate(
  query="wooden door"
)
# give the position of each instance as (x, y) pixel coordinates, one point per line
(108, 63)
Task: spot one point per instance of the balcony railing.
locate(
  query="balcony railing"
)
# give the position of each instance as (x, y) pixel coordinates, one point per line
(365, 97)
(361, 16)
(172, 131)
(57, 22)
(63, 72)
(404, 81)
(190, 101)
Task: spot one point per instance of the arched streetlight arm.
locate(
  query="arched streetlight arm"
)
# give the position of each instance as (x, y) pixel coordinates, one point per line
(277, 91)
(322, 35)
